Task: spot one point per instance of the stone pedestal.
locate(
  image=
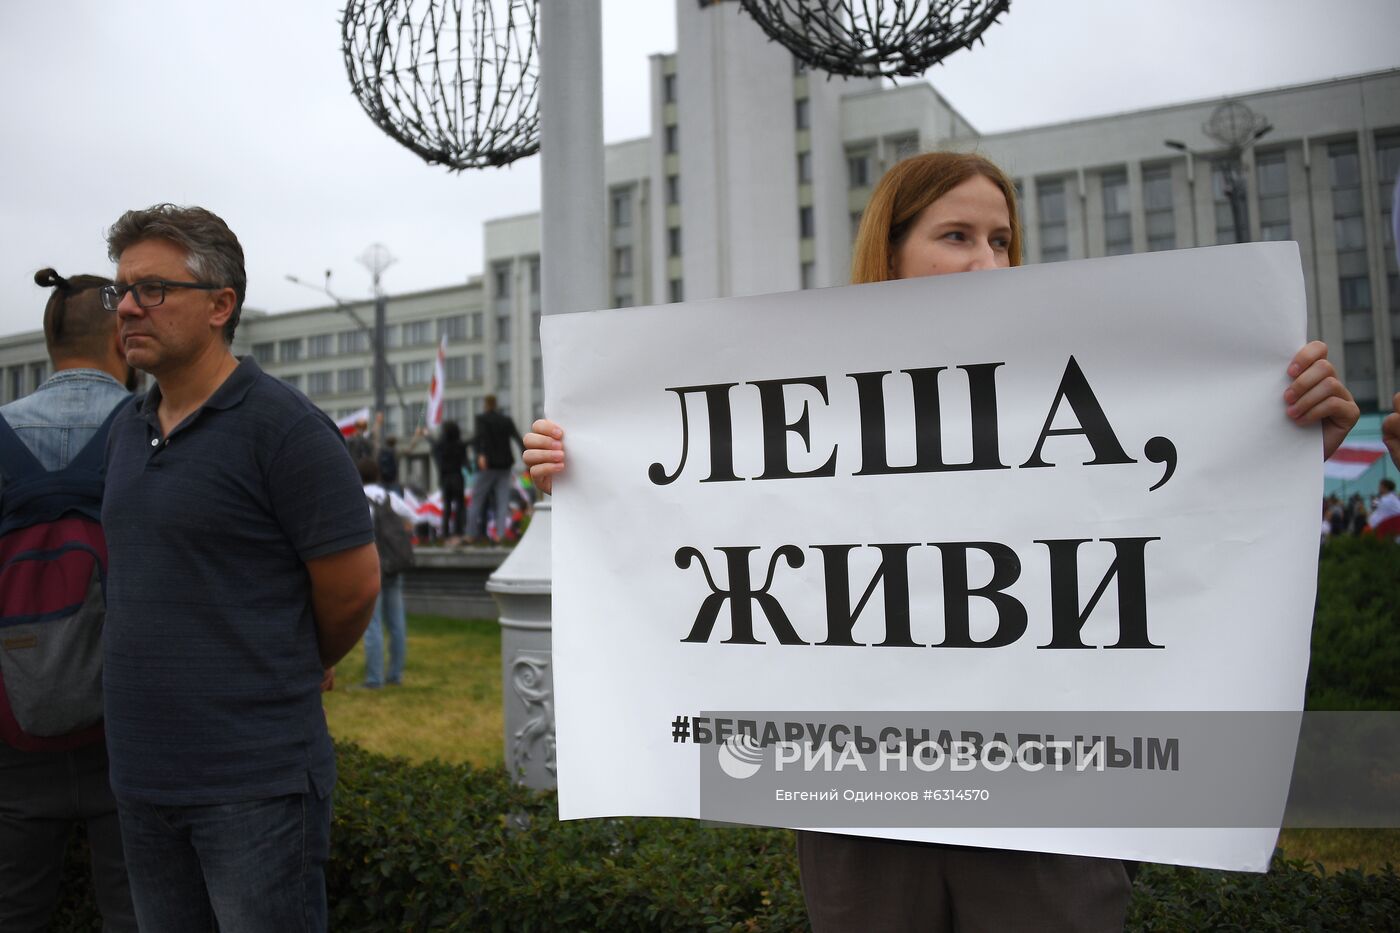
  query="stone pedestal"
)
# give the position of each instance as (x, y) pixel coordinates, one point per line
(521, 588)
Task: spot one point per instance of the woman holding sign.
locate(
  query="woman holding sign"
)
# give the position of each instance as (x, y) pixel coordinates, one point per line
(935, 214)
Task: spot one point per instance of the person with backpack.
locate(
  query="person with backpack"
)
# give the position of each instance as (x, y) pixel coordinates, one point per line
(393, 517)
(53, 754)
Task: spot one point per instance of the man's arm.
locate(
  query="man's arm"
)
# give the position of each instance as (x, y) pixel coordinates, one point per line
(344, 587)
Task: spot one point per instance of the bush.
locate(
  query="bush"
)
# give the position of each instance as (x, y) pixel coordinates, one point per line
(1356, 630)
(450, 847)
(453, 848)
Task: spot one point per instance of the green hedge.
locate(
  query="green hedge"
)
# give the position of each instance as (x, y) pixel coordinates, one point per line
(1356, 629)
(449, 847)
(445, 847)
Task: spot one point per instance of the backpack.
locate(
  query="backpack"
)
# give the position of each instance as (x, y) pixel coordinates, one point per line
(53, 575)
(391, 538)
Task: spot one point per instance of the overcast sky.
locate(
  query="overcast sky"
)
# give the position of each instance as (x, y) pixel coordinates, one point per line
(243, 106)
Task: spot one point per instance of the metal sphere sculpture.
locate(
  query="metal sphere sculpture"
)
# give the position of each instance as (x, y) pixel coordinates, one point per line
(455, 81)
(870, 38)
(1234, 125)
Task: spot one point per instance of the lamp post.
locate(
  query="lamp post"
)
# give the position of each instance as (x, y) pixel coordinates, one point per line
(376, 335)
(1236, 128)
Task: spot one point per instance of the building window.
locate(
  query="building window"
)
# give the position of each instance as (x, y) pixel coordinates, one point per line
(534, 266)
(905, 146)
(622, 260)
(500, 280)
(537, 373)
(622, 207)
(417, 373)
(806, 225)
(673, 241)
(453, 328)
(393, 336)
(418, 334)
(673, 139)
(809, 275)
(38, 372)
(1353, 274)
(319, 346)
(16, 382)
(1053, 224)
(1117, 214)
(804, 168)
(455, 409)
(289, 351)
(1158, 206)
(293, 380)
(455, 369)
(668, 89)
(623, 300)
(349, 342)
(264, 352)
(673, 189)
(503, 375)
(350, 380)
(1387, 168)
(803, 113)
(858, 170)
(675, 290)
(855, 224)
(415, 415)
(1271, 186)
(318, 383)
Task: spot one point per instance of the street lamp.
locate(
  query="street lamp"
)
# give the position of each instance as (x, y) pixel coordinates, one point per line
(1236, 128)
(376, 334)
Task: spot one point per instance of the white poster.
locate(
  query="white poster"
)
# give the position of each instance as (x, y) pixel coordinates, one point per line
(1066, 487)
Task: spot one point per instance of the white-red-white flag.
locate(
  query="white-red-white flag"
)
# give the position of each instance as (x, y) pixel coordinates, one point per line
(352, 421)
(1353, 459)
(435, 388)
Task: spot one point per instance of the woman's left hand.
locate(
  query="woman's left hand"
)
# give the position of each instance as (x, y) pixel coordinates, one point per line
(1317, 395)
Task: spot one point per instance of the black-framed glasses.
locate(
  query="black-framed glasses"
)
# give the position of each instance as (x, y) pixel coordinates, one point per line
(149, 293)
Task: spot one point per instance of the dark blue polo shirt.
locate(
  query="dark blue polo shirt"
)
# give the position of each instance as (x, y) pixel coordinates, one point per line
(212, 675)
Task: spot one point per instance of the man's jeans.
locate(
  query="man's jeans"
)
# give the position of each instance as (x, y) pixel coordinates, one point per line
(42, 794)
(388, 613)
(496, 486)
(255, 865)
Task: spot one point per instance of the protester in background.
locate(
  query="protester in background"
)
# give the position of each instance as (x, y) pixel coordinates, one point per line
(450, 455)
(1387, 504)
(388, 463)
(935, 214)
(360, 443)
(45, 791)
(494, 432)
(393, 520)
(243, 567)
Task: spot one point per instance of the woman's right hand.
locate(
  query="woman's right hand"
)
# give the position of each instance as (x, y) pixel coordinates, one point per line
(544, 453)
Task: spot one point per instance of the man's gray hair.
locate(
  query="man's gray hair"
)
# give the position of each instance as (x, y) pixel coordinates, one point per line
(212, 252)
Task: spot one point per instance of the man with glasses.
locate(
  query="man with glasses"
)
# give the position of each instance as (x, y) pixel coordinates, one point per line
(242, 568)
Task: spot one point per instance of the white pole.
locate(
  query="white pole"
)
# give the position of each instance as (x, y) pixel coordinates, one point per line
(574, 277)
(573, 255)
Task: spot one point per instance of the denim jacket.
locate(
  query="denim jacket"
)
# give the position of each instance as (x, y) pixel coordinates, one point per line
(57, 419)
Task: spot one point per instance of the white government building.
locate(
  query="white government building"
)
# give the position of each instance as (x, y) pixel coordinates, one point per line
(753, 180)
